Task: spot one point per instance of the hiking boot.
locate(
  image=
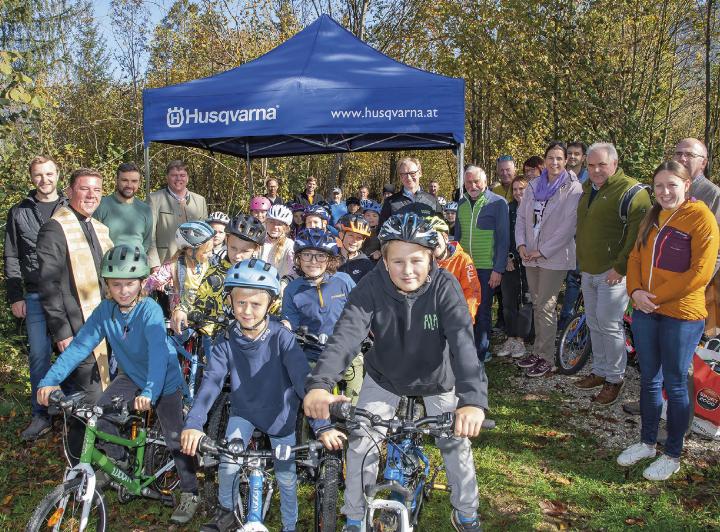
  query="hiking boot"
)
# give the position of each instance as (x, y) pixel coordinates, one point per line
(519, 350)
(506, 348)
(609, 394)
(538, 370)
(465, 524)
(222, 521)
(528, 361)
(38, 427)
(636, 452)
(589, 382)
(662, 468)
(632, 408)
(185, 511)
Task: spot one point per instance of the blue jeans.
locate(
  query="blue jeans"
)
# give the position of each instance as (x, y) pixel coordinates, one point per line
(483, 318)
(572, 291)
(40, 347)
(665, 347)
(284, 472)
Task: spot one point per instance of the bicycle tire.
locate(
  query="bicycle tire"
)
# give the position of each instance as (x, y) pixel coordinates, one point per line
(574, 348)
(156, 456)
(326, 494)
(216, 427)
(63, 495)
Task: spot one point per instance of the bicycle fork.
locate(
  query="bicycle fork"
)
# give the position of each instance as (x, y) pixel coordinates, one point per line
(257, 507)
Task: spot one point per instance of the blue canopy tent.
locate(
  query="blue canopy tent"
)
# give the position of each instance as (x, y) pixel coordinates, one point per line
(322, 91)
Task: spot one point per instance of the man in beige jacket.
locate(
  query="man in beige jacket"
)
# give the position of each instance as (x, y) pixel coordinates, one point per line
(171, 206)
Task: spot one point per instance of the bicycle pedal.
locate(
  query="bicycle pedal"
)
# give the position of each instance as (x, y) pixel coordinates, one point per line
(439, 487)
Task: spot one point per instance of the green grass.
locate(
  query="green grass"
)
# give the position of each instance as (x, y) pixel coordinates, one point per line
(535, 471)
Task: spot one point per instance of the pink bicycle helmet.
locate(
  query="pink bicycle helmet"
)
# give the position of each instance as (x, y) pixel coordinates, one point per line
(260, 203)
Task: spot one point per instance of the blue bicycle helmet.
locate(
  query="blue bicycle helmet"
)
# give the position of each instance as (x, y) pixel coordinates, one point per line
(370, 205)
(409, 228)
(253, 273)
(316, 239)
(193, 234)
(317, 210)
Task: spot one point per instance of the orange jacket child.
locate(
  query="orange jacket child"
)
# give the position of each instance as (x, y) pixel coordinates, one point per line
(677, 261)
(460, 264)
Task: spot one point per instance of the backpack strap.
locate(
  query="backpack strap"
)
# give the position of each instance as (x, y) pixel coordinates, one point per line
(627, 199)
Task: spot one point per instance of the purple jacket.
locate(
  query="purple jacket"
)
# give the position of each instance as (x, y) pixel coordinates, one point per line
(556, 237)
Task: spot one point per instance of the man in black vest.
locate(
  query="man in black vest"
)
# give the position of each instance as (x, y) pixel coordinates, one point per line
(410, 172)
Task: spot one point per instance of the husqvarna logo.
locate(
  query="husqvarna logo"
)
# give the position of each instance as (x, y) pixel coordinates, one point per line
(179, 116)
(175, 116)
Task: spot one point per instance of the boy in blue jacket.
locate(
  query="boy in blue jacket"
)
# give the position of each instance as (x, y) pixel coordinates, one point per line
(135, 329)
(423, 347)
(255, 345)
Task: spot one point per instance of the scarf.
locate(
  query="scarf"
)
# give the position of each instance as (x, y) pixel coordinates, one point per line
(544, 190)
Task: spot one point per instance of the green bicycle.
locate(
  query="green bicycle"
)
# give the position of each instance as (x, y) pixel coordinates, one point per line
(77, 504)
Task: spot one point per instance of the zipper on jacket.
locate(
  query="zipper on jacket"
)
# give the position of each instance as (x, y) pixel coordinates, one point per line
(320, 297)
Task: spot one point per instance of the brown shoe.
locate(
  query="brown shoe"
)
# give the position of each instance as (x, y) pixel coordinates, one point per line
(589, 382)
(609, 394)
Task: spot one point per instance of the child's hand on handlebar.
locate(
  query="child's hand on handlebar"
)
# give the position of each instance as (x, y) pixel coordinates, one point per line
(43, 394)
(468, 421)
(317, 402)
(189, 439)
(178, 320)
(142, 403)
(332, 439)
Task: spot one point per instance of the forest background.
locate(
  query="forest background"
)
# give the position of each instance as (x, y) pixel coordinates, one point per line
(639, 73)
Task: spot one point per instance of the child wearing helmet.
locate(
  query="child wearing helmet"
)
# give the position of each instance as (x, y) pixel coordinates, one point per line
(451, 257)
(259, 206)
(450, 215)
(423, 346)
(218, 221)
(371, 212)
(245, 238)
(255, 345)
(278, 246)
(134, 327)
(298, 222)
(354, 229)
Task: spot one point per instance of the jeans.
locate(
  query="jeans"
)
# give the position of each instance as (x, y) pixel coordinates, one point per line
(604, 309)
(363, 453)
(284, 472)
(572, 291)
(665, 348)
(169, 410)
(483, 318)
(40, 347)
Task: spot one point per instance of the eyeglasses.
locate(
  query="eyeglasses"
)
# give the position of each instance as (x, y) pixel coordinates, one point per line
(410, 174)
(688, 155)
(317, 257)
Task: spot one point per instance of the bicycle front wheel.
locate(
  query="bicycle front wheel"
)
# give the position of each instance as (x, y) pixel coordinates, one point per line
(574, 347)
(62, 510)
(326, 494)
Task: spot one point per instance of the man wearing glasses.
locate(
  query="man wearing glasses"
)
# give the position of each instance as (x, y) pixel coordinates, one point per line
(410, 172)
(692, 154)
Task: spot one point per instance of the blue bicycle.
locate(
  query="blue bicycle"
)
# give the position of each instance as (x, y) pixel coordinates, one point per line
(408, 476)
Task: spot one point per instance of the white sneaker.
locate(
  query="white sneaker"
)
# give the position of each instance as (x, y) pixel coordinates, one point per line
(506, 349)
(519, 350)
(662, 468)
(636, 452)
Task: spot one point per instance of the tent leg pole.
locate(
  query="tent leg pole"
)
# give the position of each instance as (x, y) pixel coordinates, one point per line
(249, 168)
(460, 164)
(146, 152)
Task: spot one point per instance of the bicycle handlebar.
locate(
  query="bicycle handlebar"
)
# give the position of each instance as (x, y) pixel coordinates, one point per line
(307, 339)
(235, 448)
(75, 405)
(441, 425)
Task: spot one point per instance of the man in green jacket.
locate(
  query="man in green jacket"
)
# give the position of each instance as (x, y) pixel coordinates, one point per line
(603, 243)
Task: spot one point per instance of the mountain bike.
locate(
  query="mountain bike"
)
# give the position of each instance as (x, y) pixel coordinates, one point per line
(408, 475)
(255, 484)
(77, 503)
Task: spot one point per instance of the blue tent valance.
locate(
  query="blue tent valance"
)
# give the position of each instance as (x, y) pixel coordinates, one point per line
(322, 91)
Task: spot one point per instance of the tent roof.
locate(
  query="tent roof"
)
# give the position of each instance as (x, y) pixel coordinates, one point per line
(321, 91)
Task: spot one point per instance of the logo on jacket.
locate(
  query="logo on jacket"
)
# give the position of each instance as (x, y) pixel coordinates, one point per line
(430, 322)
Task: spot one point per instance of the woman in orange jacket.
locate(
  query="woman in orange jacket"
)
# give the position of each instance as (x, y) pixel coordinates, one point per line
(667, 273)
(451, 257)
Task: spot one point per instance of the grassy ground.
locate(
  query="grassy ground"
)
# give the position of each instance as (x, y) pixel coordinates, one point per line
(534, 471)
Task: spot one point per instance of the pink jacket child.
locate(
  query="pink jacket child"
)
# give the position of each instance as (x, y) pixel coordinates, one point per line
(550, 229)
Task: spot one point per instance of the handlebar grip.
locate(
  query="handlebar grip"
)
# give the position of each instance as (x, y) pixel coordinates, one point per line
(342, 411)
(196, 317)
(207, 445)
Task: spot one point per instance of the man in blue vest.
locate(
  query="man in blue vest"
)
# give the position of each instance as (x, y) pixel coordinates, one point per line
(483, 229)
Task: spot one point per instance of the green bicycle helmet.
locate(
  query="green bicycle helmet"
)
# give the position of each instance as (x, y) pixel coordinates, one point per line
(125, 262)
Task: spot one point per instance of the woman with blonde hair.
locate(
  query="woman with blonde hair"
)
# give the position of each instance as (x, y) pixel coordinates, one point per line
(668, 270)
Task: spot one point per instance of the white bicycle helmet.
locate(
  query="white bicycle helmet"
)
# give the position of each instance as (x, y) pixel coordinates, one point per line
(218, 217)
(280, 213)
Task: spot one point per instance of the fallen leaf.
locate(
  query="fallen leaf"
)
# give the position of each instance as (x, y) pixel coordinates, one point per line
(553, 508)
(6, 500)
(697, 478)
(535, 397)
(635, 521)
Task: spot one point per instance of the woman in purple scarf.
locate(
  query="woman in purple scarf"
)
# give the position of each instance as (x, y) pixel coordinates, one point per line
(544, 232)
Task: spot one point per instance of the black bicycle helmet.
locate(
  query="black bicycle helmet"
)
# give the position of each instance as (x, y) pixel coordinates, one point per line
(247, 228)
(409, 228)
